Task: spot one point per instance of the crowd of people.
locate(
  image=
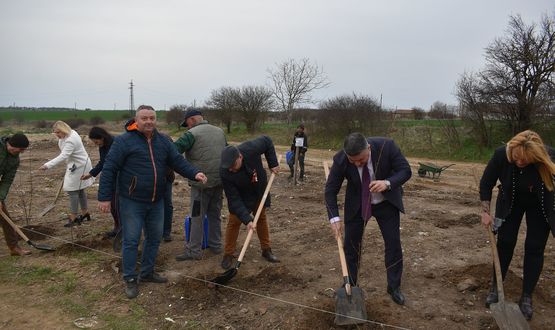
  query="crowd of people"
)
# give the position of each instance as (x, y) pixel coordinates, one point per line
(137, 170)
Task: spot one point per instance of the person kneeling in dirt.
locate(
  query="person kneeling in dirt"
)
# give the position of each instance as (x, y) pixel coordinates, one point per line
(10, 148)
(137, 163)
(244, 181)
(525, 171)
(375, 170)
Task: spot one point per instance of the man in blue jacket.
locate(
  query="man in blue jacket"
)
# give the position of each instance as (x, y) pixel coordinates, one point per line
(137, 163)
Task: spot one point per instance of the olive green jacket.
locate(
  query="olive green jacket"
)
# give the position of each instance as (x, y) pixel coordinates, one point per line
(8, 168)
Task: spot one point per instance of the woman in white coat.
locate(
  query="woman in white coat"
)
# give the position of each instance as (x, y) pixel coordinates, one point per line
(77, 161)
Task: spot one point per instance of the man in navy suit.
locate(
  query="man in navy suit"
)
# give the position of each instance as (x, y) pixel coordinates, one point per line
(386, 171)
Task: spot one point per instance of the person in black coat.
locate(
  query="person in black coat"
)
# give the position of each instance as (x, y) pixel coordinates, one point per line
(299, 133)
(103, 140)
(526, 173)
(375, 171)
(244, 180)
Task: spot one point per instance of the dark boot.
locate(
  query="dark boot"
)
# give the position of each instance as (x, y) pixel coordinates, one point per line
(525, 304)
(131, 288)
(268, 255)
(492, 297)
(396, 295)
(226, 262)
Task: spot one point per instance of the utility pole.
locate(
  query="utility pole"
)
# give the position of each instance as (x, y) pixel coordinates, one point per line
(131, 100)
(381, 102)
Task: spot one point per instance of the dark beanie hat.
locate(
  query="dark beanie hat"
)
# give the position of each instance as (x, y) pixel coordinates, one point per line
(19, 140)
(229, 156)
(190, 113)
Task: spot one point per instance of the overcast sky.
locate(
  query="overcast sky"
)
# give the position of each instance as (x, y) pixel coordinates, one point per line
(84, 53)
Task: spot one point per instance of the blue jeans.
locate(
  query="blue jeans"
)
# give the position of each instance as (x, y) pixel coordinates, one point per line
(168, 209)
(136, 216)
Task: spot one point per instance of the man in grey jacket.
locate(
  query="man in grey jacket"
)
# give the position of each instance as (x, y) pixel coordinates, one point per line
(203, 144)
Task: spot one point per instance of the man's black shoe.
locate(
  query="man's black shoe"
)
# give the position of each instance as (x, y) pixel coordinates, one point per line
(226, 262)
(492, 297)
(187, 256)
(131, 288)
(268, 255)
(396, 295)
(525, 304)
(154, 278)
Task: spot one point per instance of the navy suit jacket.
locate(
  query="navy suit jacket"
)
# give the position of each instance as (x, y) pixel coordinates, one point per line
(392, 166)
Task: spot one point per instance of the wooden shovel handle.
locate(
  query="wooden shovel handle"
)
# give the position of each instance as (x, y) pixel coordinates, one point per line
(258, 211)
(59, 190)
(14, 226)
(497, 266)
(339, 239)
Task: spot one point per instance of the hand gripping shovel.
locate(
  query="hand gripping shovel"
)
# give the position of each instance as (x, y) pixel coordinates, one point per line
(507, 315)
(53, 204)
(25, 238)
(229, 274)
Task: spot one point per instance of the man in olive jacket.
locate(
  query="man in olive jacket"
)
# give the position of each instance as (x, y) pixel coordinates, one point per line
(203, 144)
(10, 148)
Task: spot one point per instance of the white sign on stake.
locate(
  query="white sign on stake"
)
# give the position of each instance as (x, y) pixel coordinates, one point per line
(299, 142)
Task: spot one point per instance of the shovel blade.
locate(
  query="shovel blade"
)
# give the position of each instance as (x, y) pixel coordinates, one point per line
(508, 316)
(43, 247)
(350, 309)
(225, 277)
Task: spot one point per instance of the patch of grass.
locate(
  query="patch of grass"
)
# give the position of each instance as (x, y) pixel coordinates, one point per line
(69, 305)
(65, 283)
(25, 275)
(87, 258)
(128, 322)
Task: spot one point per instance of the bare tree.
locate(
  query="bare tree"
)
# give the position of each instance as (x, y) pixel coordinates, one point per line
(357, 113)
(252, 102)
(223, 101)
(175, 114)
(474, 107)
(294, 81)
(419, 113)
(519, 74)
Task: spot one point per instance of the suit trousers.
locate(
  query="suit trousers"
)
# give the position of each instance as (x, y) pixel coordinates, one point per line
(388, 219)
(232, 232)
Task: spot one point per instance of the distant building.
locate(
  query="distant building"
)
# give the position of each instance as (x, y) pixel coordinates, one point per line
(404, 114)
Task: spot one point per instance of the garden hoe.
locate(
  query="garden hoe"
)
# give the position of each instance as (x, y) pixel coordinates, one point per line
(53, 204)
(506, 314)
(25, 238)
(229, 274)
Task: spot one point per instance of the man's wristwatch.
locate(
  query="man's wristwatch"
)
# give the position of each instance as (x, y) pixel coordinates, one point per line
(387, 184)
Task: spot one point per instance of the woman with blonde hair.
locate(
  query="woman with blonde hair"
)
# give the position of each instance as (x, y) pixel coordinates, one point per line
(526, 171)
(77, 161)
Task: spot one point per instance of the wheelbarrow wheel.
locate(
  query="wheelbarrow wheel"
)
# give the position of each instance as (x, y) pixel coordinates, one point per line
(421, 172)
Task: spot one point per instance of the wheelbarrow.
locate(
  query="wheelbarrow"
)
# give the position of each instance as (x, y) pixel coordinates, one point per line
(431, 169)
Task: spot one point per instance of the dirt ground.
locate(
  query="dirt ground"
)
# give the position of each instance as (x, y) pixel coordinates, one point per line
(447, 265)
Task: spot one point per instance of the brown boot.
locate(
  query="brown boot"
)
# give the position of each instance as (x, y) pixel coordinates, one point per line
(17, 251)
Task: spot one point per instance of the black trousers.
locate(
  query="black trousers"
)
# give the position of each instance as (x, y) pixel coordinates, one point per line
(537, 233)
(389, 221)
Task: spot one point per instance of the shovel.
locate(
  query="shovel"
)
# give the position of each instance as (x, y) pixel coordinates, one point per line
(349, 305)
(25, 238)
(507, 315)
(53, 204)
(229, 274)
